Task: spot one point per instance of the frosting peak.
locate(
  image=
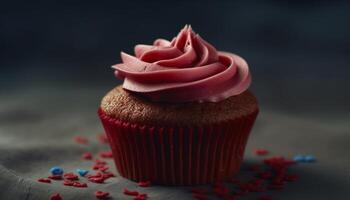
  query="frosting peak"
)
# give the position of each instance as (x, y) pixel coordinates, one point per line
(187, 68)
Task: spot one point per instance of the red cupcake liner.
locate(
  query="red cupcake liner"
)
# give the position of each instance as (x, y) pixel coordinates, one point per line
(188, 155)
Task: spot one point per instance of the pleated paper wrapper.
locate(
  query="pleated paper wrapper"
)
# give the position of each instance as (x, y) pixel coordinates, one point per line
(188, 155)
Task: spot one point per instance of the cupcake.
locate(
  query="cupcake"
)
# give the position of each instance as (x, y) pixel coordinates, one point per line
(183, 113)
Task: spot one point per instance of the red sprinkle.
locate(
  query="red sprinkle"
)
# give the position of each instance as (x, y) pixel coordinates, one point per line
(87, 156)
(103, 168)
(144, 195)
(265, 197)
(100, 162)
(106, 154)
(71, 176)
(101, 195)
(102, 138)
(44, 180)
(79, 185)
(108, 175)
(261, 152)
(55, 177)
(140, 197)
(55, 196)
(129, 192)
(97, 175)
(100, 165)
(144, 183)
(68, 183)
(81, 140)
(96, 179)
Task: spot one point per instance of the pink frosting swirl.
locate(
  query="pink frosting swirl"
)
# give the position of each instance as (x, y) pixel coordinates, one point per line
(185, 69)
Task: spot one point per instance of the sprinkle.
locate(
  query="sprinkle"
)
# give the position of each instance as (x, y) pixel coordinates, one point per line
(129, 192)
(101, 195)
(102, 138)
(261, 152)
(100, 165)
(140, 197)
(299, 158)
(96, 179)
(144, 183)
(71, 176)
(309, 158)
(82, 172)
(87, 156)
(56, 171)
(265, 197)
(55, 177)
(79, 185)
(108, 175)
(100, 162)
(106, 154)
(144, 195)
(103, 168)
(44, 180)
(68, 183)
(81, 140)
(55, 196)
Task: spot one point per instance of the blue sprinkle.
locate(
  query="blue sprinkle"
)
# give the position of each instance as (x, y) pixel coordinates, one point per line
(56, 171)
(309, 158)
(82, 172)
(299, 158)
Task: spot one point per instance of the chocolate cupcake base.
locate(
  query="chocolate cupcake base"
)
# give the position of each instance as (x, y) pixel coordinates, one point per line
(178, 155)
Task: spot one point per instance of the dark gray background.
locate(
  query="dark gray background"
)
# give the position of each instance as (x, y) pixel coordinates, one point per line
(54, 69)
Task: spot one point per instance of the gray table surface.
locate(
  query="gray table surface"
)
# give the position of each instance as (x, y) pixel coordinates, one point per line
(37, 125)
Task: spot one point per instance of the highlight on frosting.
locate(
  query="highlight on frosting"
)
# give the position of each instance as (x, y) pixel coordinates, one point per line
(185, 69)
